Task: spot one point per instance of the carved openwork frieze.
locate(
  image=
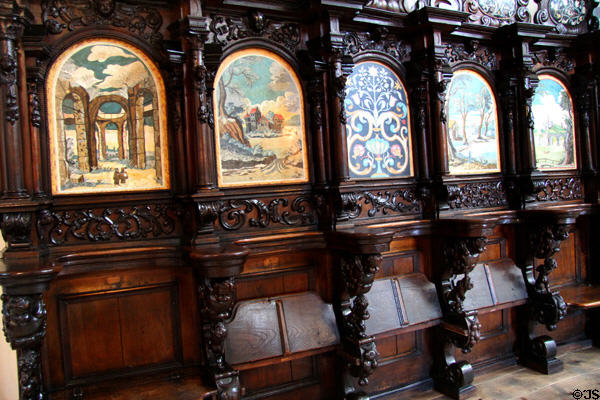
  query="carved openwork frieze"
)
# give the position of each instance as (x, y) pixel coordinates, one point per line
(103, 224)
(226, 30)
(401, 201)
(477, 195)
(257, 213)
(558, 189)
(558, 59)
(141, 20)
(378, 40)
(472, 51)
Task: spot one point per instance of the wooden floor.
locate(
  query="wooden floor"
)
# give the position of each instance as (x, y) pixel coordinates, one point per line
(581, 372)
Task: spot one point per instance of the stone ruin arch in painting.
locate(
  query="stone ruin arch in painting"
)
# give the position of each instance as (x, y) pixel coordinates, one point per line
(107, 120)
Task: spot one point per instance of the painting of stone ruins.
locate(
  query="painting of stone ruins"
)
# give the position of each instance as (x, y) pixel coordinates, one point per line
(259, 121)
(554, 131)
(107, 120)
(472, 125)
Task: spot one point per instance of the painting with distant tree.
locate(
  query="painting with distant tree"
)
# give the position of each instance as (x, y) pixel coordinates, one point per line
(107, 123)
(259, 121)
(472, 125)
(554, 133)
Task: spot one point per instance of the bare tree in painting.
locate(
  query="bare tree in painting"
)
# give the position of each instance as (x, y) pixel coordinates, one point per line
(484, 103)
(463, 109)
(565, 103)
(228, 121)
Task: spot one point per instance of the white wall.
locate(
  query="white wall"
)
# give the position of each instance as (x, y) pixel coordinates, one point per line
(9, 388)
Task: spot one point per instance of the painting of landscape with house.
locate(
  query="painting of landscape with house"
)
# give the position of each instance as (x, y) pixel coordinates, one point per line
(259, 121)
(554, 131)
(106, 105)
(472, 125)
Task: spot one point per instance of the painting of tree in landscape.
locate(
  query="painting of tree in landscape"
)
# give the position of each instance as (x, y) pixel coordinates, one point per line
(472, 125)
(107, 124)
(378, 126)
(259, 121)
(554, 133)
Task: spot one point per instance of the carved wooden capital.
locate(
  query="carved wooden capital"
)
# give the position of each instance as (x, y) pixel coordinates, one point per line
(16, 228)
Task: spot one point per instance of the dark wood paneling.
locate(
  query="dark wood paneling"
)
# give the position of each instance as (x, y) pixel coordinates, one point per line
(91, 337)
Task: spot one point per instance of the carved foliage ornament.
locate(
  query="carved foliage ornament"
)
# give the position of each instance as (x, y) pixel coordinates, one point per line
(126, 223)
(16, 228)
(235, 214)
(476, 195)
(472, 51)
(225, 30)
(144, 21)
(557, 59)
(402, 201)
(379, 40)
(11, 29)
(559, 189)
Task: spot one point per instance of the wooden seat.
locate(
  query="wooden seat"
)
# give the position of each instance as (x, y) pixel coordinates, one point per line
(581, 296)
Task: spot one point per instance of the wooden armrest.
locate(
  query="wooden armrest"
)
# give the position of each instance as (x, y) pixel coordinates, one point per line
(581, 296)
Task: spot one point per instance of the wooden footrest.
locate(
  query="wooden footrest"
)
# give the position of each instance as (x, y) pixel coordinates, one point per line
(581, 296)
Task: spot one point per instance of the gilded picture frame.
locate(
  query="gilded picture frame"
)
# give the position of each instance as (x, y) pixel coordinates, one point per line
(107, 120)
(260, 136)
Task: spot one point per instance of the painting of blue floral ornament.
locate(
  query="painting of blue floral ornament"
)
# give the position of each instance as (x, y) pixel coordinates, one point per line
(377, 123)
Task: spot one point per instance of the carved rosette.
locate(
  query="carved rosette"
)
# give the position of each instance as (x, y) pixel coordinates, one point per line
(358, 273)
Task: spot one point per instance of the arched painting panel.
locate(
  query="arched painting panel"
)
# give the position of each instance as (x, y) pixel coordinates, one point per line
(377, 123)
(472, 125)
(554, 130)
(259, 121)
(102, 139)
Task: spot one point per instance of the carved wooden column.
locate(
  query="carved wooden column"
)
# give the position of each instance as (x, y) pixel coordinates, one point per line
(358, 258)
(540, 238)
(215, 269)
(24, 322)
(13, 19)
(459, 244)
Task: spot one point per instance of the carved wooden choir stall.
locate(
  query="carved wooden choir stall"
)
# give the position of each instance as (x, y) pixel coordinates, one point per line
(228, 199)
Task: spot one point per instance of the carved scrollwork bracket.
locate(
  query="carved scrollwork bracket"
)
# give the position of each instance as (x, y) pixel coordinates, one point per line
(358, 255)
(460, 243)
(16, 228)
(545, 230)
(216, 269)
(24, 325)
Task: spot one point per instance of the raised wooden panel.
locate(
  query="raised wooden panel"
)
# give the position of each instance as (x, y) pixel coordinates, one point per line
(91, 335)
(271, 375)
(495, 249)
(566, 259)
(120, 329)
(492, 323)
(264, 286)
(149, 329)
